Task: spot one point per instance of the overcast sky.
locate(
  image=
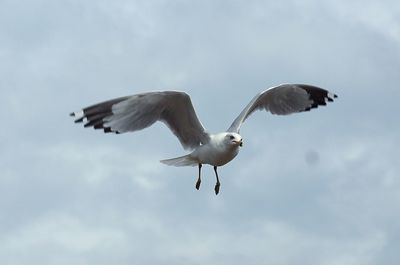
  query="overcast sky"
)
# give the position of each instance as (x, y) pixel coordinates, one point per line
(321, 187)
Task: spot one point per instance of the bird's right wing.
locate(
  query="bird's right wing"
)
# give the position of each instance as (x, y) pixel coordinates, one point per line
(139, 111)
(283, 100)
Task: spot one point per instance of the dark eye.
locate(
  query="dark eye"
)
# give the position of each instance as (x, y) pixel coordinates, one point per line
(232, 137)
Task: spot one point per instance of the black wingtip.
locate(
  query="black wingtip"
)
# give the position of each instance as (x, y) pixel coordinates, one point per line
(72, 114)
(331, 96)
(107, 130)
(79, 120)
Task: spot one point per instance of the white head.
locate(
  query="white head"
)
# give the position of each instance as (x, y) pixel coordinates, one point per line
(233, 139)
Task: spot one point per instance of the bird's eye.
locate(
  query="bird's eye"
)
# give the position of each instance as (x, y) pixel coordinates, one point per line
(232, 137)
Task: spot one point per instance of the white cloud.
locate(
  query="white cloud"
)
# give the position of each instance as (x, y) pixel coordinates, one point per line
(62, 239)
(380, 16)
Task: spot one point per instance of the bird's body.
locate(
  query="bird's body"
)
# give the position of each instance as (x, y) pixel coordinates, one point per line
(217, 152)
(175, 109)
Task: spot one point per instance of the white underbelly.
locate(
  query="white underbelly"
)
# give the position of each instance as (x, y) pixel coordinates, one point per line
(215, 157)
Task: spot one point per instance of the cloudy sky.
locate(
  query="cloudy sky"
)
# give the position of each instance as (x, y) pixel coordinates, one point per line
(314, 188)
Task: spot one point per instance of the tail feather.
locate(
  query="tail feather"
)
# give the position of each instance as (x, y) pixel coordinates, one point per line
(181, 161)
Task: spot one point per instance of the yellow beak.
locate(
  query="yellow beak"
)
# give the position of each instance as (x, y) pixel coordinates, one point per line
(240, 143)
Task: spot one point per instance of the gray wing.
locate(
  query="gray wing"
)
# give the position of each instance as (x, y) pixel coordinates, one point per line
(283, 100)
(139, 111)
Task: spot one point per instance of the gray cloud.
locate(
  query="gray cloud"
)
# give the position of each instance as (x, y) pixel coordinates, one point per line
(77, 196)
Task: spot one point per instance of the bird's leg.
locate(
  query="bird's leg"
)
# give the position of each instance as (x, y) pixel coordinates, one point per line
(198, 179)
(218, 183)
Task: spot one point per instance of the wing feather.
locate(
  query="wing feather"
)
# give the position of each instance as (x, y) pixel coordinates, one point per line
(283, 100)
(132, 113)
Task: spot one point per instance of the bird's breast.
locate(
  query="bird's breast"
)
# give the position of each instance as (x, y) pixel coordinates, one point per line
(214, 155)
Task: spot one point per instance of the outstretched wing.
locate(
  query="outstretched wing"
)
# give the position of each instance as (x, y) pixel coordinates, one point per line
(132, 113)
(283, 100)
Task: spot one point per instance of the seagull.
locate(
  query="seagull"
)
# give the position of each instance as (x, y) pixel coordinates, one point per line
(175, 109)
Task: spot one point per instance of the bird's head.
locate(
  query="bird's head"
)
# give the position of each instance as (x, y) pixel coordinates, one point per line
(233, 139)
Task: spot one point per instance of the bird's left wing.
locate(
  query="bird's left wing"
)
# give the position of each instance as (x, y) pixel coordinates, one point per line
(139, 111)
(283, 100)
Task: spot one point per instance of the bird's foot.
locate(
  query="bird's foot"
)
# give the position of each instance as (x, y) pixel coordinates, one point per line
(198, 184)
(217, 188)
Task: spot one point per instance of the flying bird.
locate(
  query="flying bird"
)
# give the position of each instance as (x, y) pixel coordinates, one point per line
(175, 109)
